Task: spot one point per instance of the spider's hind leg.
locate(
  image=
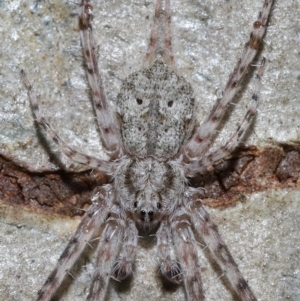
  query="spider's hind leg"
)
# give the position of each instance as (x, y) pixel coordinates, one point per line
(211, 158)
(160, 46)
(198, 145)
(107, 121)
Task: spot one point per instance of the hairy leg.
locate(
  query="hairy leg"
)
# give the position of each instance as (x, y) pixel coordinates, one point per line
(107, 121)
(107, 252)
(208, 231)
(185, 243)
(169, 267)
(160, 46)
(123, 266)
(200, 141)
(91, 221)
(208, 160)
(92, 162)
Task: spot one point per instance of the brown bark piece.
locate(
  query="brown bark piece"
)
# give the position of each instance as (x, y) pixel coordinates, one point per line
(249, 170)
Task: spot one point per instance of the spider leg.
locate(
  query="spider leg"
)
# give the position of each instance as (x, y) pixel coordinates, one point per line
(210, 235)
(107, 122)
(91, 221)
(123, 266)
(107, 252)
(200, 141)
(208, 160)
(185, 243)
(169, 267)
(160, 38)
(92, 162)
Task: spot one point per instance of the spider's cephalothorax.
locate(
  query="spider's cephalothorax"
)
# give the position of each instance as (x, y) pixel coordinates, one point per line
(154, 147)
(149, 188)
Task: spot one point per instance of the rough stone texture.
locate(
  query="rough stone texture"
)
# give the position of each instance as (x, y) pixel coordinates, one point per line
(42, 37)
(262, 234)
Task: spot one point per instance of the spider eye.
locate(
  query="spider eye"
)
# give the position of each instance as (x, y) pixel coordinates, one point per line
(158, 205)
(135, 204)
(139, 101)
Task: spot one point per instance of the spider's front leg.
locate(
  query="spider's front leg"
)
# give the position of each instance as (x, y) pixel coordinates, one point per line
(200, 142)
(169, 267)
(208, 231)
(186, 247)
(94, 217)
(107, 252)
(123, 266)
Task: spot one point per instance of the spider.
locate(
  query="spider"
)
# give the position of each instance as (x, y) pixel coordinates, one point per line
(154, 146)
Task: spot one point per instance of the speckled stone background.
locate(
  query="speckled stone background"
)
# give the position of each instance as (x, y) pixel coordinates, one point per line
(42, 37)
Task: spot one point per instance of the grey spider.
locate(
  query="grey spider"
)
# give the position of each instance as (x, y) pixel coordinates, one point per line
(154, 146)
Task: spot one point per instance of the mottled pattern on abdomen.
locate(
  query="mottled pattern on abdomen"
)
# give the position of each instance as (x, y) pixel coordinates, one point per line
(156, 107)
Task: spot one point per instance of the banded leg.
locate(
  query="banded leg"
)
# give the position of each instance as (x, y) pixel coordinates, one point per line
(169, 267)
(185, 243)
(92, 162)
(160, 46)
(107, 252)
(200, 141)
(210, 235)
(123, 267)
(208, 160)
(91, 222)
(107, 122)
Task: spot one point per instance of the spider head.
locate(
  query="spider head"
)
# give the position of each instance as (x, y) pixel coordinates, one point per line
(147, 206)
(149, 189)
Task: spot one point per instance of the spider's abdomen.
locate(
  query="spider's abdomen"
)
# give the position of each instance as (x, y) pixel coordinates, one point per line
(156, 108)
